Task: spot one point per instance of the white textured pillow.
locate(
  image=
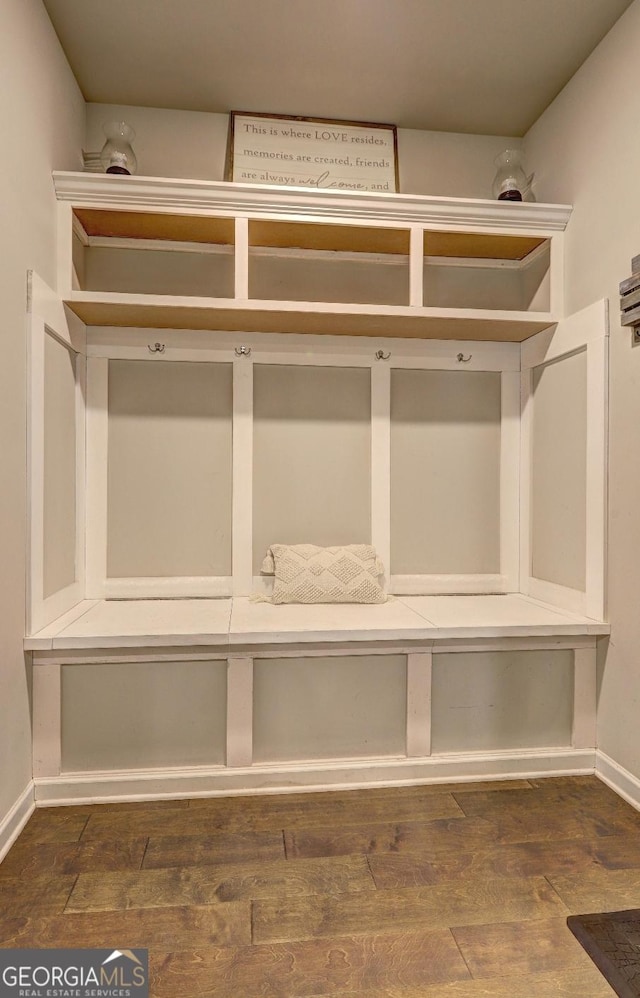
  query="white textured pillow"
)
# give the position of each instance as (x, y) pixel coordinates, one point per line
(306, 573)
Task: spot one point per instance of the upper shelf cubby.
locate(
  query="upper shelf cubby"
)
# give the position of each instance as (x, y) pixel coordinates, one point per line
(143, 251)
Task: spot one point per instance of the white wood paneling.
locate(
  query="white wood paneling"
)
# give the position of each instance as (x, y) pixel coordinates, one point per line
(419, 667)
(46, 318)
(241, 280)
(242, 519)
(239, 711)
(97, 423)
(416, 266)
(351, 774)
(47, 732)
(510, 482)
(587, 330)
(597, 477)
(583, 735)
(381, 463)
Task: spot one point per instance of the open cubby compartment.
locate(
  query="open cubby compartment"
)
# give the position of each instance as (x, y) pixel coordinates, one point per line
(152, 253)
(473, 468)
(486, 271)
(420, 460)
(564, 464)
(328, 262)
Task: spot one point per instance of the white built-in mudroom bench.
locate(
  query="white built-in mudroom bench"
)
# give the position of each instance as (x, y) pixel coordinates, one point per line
(223, 367)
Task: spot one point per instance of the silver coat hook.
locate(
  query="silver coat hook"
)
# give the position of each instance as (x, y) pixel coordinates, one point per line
(243, 351)
(462, 359)
(381, 355)
(156, 348)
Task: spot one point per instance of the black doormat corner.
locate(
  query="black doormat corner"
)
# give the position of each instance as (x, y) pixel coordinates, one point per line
(612, 940)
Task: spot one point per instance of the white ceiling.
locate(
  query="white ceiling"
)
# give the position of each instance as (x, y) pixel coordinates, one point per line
(484, 66)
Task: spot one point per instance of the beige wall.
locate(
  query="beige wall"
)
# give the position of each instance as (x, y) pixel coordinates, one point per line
(193, 144)
(585, 149)
(41, 122)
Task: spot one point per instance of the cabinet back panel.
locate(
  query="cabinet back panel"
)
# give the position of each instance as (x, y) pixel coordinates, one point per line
(445, 472)
(59, 467)
(328, 280)
(141, 715)
(312, 457)
(501, 700)
(157, 272)
(169, 469)
(323, 708)
(559, 461)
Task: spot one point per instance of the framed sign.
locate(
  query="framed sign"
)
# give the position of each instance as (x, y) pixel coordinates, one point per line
(330, 155)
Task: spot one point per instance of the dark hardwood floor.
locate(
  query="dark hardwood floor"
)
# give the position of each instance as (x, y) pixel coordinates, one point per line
(456, 891)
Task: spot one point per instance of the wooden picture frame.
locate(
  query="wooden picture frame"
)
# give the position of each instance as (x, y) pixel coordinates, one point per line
(319, 153)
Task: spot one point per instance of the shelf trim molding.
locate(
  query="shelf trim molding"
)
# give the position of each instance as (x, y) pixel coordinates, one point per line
(303, 203)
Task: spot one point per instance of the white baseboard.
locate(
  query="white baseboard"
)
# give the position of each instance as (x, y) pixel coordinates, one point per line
(101, 787)
(15, 820)
(625, 784)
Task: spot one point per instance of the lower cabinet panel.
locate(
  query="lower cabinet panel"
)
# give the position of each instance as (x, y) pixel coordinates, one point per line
(494, 701)
(326, 708)
(143, 715)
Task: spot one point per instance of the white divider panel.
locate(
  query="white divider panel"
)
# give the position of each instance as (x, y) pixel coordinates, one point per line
(445, 480)
(97, 423)
(416, 273)
(597, 476)
(241, 281)
(381, 463)
(510, 465)
(59, 466)
(419, 672)
(564, 463)
(46, 720)
(242, 515)
(55, 457)
(584, 698)
(312, 456)
(143, 715)
(559, 457)
(240, 712)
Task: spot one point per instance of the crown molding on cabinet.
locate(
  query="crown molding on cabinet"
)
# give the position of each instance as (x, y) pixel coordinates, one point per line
(303, 203)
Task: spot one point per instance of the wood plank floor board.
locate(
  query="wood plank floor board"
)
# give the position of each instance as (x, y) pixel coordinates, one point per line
(599, 890)
(42, 895)
(522, 859)
(209, 850)
(115, 807)
(73, 857)
(389, 838)
(610, 810)
(470, 902)
(176, 928)
(215, 885)
(54, 825)
(391, 794)
(321, 809)
(532, 947)
(314, 967)
(474, 832)
(582, 982)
